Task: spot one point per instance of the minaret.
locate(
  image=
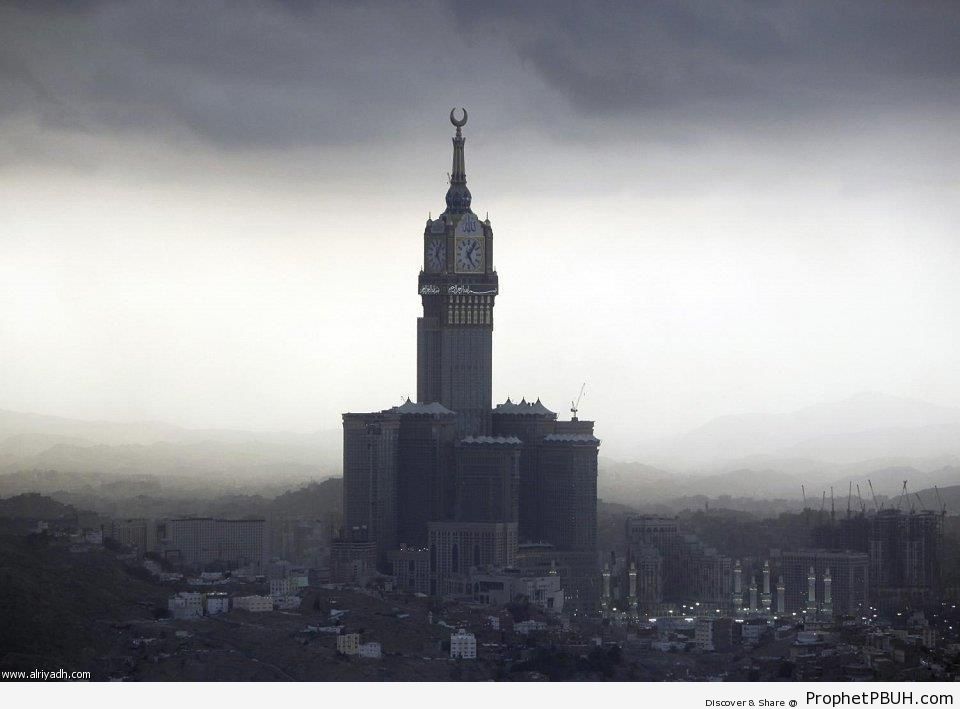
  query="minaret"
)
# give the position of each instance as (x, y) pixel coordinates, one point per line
(827, 594)
(766, 598)
(811, 593)
(753, 594)
(737, 588)
(781, 596)
(605, 601)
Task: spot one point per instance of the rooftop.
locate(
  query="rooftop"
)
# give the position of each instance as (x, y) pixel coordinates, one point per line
(410, 407)
(523, 409)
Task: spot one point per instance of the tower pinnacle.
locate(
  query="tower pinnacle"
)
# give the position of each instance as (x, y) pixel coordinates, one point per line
(458, 196)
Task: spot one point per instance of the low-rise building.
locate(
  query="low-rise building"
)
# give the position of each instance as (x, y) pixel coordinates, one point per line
(254, 604)
(502, 586)
(370, 650)
(714, 634)
(185, 605)
(463, 645)
(348, 644)
(287, 603)
(217, 603)
(282, 587)
(752, 630)
(529, 626)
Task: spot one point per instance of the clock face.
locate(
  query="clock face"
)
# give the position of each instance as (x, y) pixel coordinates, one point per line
(436, 255)
(469, 254)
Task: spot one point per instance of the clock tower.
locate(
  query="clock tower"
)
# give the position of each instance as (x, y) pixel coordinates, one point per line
(457, 286)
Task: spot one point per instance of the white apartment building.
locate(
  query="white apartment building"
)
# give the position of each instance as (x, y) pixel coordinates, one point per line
(254, 604)
(282, 587)
(463, 645)
(185, 605)
(348, 644)
(503, 586)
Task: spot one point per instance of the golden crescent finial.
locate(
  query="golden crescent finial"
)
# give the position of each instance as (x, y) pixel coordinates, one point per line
(462, 122)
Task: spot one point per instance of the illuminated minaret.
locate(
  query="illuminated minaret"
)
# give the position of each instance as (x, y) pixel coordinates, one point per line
(753, 594)
(766, 598)
(737, 588)
(811, 593)
(781, 596)
(605, 601)
(827, 594)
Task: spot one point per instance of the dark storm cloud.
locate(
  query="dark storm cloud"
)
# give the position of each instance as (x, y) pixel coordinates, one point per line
(237, 74)
(289, 74)
(735, 56)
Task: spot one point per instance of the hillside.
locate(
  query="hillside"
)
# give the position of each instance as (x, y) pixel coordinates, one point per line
(58, 609)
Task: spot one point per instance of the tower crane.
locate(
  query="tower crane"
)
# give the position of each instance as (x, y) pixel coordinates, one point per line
(863, 507)
(870, 483)
(903, 493)
(943, 507)
(575, 405)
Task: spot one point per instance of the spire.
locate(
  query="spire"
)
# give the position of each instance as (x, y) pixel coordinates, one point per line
(458, 196)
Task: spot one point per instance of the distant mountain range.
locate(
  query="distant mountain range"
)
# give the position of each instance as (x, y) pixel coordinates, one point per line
(841, 444)
(36, 442)
(864, 427)
(868, 437)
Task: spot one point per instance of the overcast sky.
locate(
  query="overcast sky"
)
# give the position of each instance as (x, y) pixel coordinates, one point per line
(211, 213)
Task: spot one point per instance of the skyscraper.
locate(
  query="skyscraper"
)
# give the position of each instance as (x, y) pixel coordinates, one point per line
(450, 473)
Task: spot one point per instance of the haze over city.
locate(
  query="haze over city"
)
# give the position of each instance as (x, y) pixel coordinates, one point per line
(273, 408)
(213, 221)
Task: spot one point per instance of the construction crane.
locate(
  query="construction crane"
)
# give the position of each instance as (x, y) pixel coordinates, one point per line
(943, 507)
(870, 483)
(903, 492)
(803, 492)
(833, 510)
(849, 493)
(575, 405)
(863, 507)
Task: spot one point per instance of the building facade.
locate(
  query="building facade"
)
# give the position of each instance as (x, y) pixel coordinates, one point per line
(199, 542)
(463, 645)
